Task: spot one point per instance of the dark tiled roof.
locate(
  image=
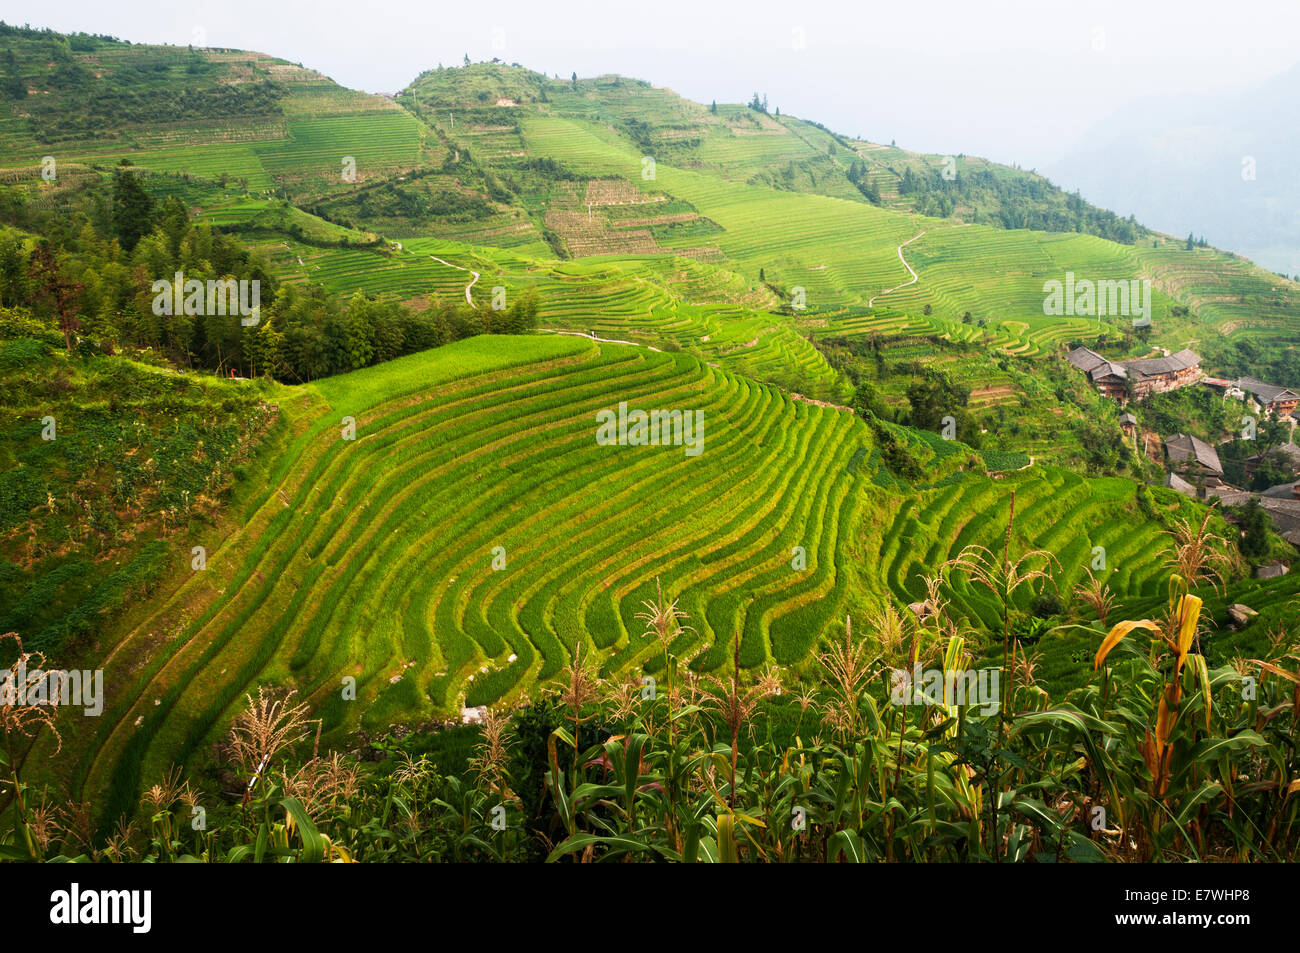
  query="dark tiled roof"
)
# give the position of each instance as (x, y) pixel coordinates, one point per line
(1184, 448)
(1265, 392)
(1283, 491)
(1084, 359)
(1287, 453)
(1155, 366)
(1285, 514)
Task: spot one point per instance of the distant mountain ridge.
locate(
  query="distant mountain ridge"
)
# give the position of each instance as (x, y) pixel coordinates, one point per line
(1220, 166)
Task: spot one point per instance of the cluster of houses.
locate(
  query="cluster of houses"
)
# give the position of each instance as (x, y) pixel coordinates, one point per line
(1125, 380)
(1137, 379)
(1191, 460)
(1194, 465)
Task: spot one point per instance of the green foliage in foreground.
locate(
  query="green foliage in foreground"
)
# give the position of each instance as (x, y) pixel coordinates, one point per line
(1157, 757)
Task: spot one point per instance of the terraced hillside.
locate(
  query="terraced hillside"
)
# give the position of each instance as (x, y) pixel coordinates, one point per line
(474, 534)
(244, 118)
(374, 558)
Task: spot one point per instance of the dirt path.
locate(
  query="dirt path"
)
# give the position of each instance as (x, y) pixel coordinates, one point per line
(468, 299)
(913, 280)
(592, 337)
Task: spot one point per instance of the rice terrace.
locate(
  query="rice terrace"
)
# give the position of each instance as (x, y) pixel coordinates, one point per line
(535, 467)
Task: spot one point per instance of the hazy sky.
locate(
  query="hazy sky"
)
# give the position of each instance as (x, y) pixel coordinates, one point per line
(1019, 81)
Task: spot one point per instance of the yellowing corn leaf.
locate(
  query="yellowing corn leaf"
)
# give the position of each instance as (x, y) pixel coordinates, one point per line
(1117, 635)
(1281, 672)
(1189, 613)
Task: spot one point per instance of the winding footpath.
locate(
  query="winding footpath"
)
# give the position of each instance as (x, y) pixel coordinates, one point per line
(583, 334)
(913, 280)
(468, 299)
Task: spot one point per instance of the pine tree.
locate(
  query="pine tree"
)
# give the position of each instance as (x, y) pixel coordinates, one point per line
(132, 209)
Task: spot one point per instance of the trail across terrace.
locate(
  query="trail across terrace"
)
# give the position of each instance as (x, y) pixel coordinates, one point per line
(592, 337)
(872, 299)
(472, 272)
(913, 280)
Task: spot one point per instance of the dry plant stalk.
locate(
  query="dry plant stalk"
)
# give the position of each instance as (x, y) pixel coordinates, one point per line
(322, 781)
(663, 619)
(848, 666)
(736, 706)
(263, 731)
(25, 720)
(1097, 595)
(491, 760)
(1196, 557)
(161, 797)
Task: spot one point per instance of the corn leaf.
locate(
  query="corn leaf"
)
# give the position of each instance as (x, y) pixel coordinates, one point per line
(1117, 634)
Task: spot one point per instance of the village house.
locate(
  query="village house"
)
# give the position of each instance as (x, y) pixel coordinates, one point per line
(1285, 514)
(1160, 374)
(1117, 379)
(1179, 485)
(1269, 398)
(1193, 456)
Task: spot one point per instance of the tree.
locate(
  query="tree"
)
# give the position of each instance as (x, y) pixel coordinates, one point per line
(1191, 243)
(175, 224)
(1272, 433)
(574, 79)
(929, 402)
(13, 268)
(1254, 524)
(14, 87)
(1272, 470)
(132, 209)
(713, 107)
(55, 290)
(467, 59)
